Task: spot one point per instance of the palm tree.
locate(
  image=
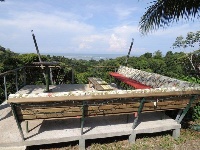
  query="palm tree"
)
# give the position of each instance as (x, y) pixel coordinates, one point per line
(163, 12)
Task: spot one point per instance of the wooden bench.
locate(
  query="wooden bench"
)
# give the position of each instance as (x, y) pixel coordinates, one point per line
(33, 108)
(99, 84)
(129, 81)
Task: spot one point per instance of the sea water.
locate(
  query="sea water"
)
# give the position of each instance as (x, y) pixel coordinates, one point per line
(86, 56)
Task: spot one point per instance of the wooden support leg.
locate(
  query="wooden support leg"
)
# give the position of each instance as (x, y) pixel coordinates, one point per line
(186, 109)
(138, 113)
(17, 120)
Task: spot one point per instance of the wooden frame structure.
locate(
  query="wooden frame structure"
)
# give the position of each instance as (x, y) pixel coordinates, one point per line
(103, 103)
(25, 109)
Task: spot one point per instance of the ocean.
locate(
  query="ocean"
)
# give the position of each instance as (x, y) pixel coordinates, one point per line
(86, 56)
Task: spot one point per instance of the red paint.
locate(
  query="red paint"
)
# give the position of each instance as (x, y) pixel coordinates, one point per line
(129, 81)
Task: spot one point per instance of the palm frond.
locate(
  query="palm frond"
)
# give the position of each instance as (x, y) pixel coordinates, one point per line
(163, 12)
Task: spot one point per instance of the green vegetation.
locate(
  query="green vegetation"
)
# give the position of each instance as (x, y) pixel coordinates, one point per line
(173, 64)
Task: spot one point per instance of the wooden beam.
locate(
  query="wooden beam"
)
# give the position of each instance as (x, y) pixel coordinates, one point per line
(101, 97)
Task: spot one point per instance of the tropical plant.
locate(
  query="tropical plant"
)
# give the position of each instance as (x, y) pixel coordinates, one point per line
(163, 12)
(191, 60)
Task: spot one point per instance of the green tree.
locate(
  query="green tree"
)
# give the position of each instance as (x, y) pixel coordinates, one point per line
(174, 67)
(158, 66)
(148, 55)
(191, 60)
(157, 54)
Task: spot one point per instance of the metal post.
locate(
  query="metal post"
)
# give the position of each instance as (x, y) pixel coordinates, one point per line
(138, 113)
(126, 61)
(186, 109)
(5, 87)
(26, 126)
(47, 78)
(17, 120)
(72, 75)
(83, 117)
(16, 83)
(51, 76)
(24, 75)
(178, 115)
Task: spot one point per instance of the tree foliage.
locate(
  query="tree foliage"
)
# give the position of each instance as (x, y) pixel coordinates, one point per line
(163, 12)
(171, 64)
(191, 60)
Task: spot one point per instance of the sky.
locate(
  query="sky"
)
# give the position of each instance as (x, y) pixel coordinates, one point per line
(84, 26)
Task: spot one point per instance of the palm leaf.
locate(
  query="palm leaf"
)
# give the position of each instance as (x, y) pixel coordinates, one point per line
(163, 12)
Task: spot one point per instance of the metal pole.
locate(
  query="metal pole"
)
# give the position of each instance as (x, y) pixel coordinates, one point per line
(5, 87)
(36, 46)
(138, 113)
(17, 120)
(16, 83)
(47, 70)
(126, 62)
(83, 117)
(24, 76)
(72, 75)
(51, 76)
(186, 109)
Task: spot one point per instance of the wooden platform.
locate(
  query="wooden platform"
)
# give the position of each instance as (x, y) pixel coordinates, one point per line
(72, 129)
(66, 130)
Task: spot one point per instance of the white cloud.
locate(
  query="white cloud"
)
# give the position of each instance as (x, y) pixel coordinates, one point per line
(28, 20)
(121, 36)
(124, 12)
(90, 41)
(86, 26)
(117, 43)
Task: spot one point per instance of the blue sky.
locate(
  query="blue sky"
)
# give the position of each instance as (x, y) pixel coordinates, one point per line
(83, 26)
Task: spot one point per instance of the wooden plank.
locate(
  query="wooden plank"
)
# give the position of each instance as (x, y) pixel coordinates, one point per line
(94, 112)
(102, 97)
(99, 84)
(171, 107)
(177, 102)
(45, 105)
(51, 115)
(116, 111)
(48, 110)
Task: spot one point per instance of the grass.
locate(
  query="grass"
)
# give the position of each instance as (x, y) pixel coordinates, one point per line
(189, 139)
